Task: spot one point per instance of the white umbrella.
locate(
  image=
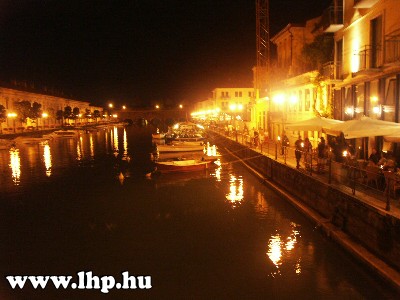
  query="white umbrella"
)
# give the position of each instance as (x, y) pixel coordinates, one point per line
(314, 124)
(364, 127)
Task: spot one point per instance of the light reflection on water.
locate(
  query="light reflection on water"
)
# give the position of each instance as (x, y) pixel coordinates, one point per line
(224, 221)
(15, 165)
(47, 159)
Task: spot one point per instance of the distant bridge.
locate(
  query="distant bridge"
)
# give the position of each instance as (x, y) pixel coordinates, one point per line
(157, 117)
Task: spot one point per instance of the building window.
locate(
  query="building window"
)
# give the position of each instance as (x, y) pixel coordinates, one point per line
(307, 100)
(236, 94)
(300, 100)
(390, 100)
(240, 94)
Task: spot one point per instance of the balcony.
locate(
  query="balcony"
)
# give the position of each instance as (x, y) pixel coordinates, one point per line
(392, 49)
(364, 3)
(370, 58)
(332, 19)
(332, 71)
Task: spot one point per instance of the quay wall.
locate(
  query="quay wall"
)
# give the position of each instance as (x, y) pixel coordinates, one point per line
(374, 229)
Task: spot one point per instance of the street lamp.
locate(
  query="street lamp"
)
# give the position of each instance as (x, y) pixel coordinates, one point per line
(44, 116)
(123, 107)
(157, 106)
(180, 106)
(12, 116)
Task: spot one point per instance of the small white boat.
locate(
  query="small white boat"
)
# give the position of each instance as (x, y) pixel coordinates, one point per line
(61, 134)
(158, 135)
(29, 140)
(179, 148)
(189, 165)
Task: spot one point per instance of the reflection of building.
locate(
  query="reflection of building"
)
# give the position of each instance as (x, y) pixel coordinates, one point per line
(49, 104)
(368, 50)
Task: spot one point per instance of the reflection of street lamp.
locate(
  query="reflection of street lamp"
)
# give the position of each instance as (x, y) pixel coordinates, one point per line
(12, 116)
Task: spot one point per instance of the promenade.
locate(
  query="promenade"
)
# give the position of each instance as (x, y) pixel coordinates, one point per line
(338, 177)
(373, 200)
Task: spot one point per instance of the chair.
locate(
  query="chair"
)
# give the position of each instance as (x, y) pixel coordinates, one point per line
(372, 174)
(392, 183)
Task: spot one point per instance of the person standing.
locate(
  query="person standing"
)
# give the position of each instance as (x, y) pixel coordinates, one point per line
(299, 148)
(321, 155)
(307, 153)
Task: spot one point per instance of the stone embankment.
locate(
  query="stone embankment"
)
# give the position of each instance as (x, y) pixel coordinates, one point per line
(369, 233)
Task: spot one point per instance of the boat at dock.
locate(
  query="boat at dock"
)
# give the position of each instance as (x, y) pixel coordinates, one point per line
(179, 147)
(61, 134)
(189, 165)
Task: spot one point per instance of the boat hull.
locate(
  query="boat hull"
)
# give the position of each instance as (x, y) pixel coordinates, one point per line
(179, 148)
(182, 166)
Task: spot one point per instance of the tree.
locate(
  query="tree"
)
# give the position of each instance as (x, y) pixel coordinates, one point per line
(3, 117)
(23, 109)
(36, 111)
(96, 115)
(67, 112)
(75, 113)
(88, 114)
(318, 52)
(60, 116)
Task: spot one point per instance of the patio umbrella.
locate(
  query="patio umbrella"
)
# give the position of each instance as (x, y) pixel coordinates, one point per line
(314, 124)
(364, 127)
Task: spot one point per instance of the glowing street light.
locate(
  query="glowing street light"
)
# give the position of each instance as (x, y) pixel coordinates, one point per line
(123, 107)
(157, 106)
(12, 116)
(44, 116)
(110, 105)
(180, 106)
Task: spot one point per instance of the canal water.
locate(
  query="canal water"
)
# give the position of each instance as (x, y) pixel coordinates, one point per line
(85, 204)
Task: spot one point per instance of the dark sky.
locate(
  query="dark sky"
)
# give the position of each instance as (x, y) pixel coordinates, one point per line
(137, 51)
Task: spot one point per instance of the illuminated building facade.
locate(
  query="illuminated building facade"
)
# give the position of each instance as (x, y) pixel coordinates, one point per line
(368, 50)
(49, 106)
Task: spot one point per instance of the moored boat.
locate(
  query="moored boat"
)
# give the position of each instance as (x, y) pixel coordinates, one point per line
(62, 134)
(30, 140)
(179, 148)
(189, 165)
(158, 136)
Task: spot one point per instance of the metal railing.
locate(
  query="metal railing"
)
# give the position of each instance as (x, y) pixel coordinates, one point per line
(392, 49)
(370, 57)
(351, 173)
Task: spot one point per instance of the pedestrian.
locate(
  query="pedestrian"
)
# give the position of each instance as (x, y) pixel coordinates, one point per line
(322, 155)
(307, 153)
(299, 148)
(285, 143)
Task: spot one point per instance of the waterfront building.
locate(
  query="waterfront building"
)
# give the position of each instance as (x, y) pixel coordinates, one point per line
(367, 53)
(231, 105)
(50, 104)
(300, 89)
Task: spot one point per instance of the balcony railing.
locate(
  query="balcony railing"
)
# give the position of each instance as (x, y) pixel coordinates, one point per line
(392, 49)
(332, 70)
(332, 19)
(370, 57)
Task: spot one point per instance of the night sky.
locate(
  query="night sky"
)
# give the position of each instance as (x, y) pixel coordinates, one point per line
(137, 52)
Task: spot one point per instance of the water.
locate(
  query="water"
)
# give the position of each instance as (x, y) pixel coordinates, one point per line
(85, 205)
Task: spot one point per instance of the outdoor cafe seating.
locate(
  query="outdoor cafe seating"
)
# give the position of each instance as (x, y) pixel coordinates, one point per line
(392, 183)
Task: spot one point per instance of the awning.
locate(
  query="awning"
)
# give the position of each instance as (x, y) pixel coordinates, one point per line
(313, 124)
(364, 127)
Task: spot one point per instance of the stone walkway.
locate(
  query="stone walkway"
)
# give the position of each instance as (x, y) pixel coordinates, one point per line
(373, 198)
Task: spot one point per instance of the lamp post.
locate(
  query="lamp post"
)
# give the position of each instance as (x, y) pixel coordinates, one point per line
(44, 116)
(12, 116)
